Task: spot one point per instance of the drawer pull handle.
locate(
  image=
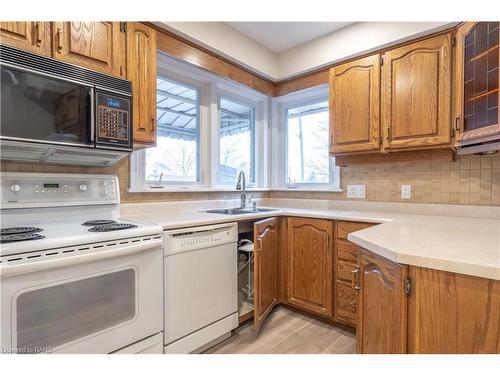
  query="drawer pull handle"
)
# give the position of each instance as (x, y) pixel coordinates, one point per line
(354, 279)
(37, 34)
(59, 44)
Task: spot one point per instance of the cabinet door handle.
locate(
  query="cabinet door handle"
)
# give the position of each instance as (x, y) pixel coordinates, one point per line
(38, 40)
(388, 132)
(259, 244)
(331, 141)
(354, 278)
(153, 125)
(58, 40)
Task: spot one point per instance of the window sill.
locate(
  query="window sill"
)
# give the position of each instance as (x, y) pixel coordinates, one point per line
(167, 189)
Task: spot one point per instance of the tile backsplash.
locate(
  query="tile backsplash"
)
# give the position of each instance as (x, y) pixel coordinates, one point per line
(468, 180)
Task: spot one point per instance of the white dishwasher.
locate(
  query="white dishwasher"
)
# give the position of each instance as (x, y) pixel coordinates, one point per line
(200, 286)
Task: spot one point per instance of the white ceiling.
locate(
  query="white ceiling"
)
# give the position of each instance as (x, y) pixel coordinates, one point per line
(280, 36)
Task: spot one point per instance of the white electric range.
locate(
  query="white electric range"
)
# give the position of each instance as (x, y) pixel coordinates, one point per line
(75, 278)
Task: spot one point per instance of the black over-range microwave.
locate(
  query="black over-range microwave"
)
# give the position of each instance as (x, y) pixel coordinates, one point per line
(48, 102)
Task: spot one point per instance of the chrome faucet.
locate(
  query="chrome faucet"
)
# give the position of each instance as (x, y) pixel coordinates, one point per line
(240, 185)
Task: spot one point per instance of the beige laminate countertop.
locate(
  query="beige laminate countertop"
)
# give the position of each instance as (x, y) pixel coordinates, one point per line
(464, 245)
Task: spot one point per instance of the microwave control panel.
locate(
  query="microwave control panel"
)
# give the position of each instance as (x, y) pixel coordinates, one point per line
(113, 125)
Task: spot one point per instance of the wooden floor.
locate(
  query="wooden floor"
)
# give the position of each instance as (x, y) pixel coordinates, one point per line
(289, 332)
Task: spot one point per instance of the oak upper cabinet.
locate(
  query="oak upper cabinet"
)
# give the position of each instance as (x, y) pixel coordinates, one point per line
(382, 305)
(309, 257)
(355, 106)
(141, 70)
(31, 36)
(477, 76)
(98, 46)
(416, 95)
(265, 269)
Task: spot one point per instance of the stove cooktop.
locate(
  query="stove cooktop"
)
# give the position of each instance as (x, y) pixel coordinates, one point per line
(57, 234)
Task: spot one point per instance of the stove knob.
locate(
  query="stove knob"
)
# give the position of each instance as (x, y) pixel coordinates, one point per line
(83, 187)
(15, 188)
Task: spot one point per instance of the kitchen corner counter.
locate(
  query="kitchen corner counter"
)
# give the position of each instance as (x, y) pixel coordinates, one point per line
(465, 245)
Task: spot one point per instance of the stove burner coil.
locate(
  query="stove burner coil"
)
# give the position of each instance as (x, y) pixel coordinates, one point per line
(6, 238)
(111, 227)
(93, 223)
(19, 230)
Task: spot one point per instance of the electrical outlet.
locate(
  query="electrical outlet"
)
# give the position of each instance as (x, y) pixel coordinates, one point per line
(356, 191)
(405, 191)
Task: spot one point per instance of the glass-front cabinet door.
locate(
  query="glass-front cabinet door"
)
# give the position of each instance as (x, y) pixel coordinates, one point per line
(477, 70)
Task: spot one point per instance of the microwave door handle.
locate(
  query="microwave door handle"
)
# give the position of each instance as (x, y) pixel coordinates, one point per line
(92, 114)
(71, 260)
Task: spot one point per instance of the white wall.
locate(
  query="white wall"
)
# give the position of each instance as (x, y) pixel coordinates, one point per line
(223, 39)
(350, 41)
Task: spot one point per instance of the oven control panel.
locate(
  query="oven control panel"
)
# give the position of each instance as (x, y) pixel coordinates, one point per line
(50, 189)
(113, 120)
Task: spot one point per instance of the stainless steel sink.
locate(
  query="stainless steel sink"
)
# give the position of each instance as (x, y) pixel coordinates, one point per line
(239, 211)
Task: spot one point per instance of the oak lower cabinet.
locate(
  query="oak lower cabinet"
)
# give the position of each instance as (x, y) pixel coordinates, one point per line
(452, 313)
(345, 258)
(98, 46)
(309, 265)
(407, 309)
(265, 269)
(31, 36)
(141, 71)
(382, 305)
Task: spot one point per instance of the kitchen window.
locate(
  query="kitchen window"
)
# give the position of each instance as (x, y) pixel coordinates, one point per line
(236, 141)
(209, 129)
(307, 144)
(176, 155)
(300, 142)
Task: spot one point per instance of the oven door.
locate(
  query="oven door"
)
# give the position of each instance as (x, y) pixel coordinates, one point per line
(93, 303)
(37, 107)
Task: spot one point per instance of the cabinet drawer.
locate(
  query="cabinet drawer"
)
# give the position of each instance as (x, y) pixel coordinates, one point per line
(344, 270)
(346, 227)
(346, 304)
(347, 250)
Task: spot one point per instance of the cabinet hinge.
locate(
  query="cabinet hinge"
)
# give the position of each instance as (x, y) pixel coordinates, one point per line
(453, 41)
(123, 27)
(381, 60)
(407, 286)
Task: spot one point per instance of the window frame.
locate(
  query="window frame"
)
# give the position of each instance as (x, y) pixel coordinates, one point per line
(280, 141)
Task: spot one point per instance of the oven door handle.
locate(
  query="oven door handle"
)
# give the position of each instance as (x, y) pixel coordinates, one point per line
(71, 260)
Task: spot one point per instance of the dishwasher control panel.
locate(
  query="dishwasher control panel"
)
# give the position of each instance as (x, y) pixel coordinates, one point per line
(188, 239)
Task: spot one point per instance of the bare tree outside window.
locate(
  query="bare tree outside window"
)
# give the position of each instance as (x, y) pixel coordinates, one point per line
(307, 148)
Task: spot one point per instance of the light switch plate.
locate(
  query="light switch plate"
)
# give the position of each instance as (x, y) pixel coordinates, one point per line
(356, 191)
(405, 191)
